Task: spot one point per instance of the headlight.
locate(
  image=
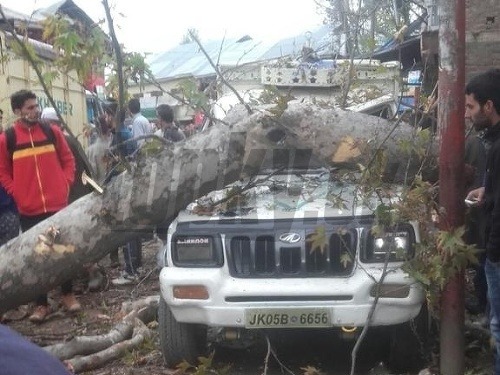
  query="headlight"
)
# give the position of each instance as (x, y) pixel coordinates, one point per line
(398, 245)
(196, 251)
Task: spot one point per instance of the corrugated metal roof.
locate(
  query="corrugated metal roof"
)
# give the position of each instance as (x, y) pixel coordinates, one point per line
(33, 20)
(69, 8)
(51, 9)
(189, 60)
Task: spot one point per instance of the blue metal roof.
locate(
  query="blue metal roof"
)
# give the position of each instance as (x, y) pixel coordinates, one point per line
(189, 60)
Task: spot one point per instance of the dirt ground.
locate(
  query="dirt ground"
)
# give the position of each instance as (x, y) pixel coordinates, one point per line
(101, 310)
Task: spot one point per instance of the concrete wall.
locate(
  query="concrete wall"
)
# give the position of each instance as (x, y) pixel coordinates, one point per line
(482, 35)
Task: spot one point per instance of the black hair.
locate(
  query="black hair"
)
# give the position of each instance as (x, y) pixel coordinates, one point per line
(103, 125)
(122, 115)
(134, 105)
(110, 108)
(485, 86)
(165, 112)
(20, 97)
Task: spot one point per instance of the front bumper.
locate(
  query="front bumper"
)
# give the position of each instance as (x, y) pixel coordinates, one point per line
(347, 299)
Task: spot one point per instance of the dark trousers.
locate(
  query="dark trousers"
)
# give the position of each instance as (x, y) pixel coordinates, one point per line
(27, 222)
(132, 254)
(9, 225)
(480, 284)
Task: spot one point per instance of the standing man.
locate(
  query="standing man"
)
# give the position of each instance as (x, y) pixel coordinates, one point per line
(166, 126)
(37, 168)
(140, 124)
(167, 130)
(482, 107)
(132, 252)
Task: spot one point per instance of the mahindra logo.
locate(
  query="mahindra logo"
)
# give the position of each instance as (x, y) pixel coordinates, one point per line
(290, 237)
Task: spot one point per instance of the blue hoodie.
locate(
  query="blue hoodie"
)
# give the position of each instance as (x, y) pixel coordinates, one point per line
(19, 356)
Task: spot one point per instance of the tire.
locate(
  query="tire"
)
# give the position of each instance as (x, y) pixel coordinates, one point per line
(408, 345)
(180, 341)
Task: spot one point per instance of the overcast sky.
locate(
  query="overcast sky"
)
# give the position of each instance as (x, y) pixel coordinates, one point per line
(156, 25)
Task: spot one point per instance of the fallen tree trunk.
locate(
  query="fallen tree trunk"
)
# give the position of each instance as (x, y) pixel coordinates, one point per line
(98, 359)
(167, 179)
(85, 345)
(143, 310)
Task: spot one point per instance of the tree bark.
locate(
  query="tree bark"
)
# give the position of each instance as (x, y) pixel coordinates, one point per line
(96, 360)
(165, 180)
(144, 310)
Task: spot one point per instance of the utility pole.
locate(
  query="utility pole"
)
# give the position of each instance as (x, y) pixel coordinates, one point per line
(451, 123)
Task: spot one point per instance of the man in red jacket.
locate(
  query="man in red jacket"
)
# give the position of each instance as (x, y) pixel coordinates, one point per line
(37, 168)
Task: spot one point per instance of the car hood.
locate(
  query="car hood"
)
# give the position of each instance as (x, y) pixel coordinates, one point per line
(294, 195)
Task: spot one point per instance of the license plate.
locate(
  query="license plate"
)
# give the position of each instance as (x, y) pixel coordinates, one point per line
(287, 318)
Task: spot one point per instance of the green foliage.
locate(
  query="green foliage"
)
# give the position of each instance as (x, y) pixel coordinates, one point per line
(440, 254)
(384, 217)
(205, 367)
(368, 43)
(135, 69)
(367, 23)
(79, 48)
(318, 240)
(50, 76)
(135, 357)
(436, 262)
(281, 104)
(270, 95)
(417, 145)
(190, 91)
(337, 201)
(345, 259)
(372, 177)
(30, 51)
(234, 199)
(152, 146)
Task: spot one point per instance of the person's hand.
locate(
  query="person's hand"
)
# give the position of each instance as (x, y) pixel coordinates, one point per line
(475, 197)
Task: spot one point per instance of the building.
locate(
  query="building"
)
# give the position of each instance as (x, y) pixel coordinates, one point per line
(239, 60)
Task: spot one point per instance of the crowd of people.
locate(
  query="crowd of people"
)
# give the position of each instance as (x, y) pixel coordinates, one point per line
(40, 169)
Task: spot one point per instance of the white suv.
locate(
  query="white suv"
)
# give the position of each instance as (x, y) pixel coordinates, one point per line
(296, 252)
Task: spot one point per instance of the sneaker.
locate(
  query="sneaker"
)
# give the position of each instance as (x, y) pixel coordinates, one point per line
(40, 314)
(113, 258)
(125, 279)
(70, 302)
(96, 279)
(19, 313)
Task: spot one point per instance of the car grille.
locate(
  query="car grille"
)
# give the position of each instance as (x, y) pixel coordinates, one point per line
(266, 256)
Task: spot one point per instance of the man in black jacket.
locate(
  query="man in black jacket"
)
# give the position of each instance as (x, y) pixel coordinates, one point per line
(482, 107)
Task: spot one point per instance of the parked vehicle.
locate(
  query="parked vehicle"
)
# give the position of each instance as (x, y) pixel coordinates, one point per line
(296, 251)
(78, 107)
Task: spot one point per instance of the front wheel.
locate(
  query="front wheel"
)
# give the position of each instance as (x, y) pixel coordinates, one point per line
(180, 341)
(408, 344)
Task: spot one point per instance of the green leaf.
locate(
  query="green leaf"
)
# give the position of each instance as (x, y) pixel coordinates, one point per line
(345, 259)
(318, 240)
